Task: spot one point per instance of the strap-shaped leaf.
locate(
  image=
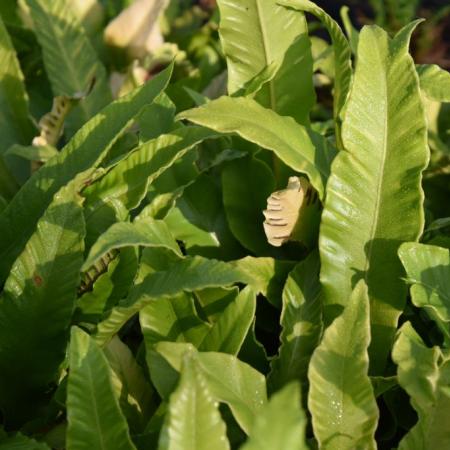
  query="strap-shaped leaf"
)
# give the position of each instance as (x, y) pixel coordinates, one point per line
(175, 319)
(434, 82)
(85, 150)
(425, 375)
(257, 33)
(15, 125)
(374, 195)
(428, 270)
(342, 54)
(39, 297)
(341, 399)
(95, 421)
(229, 380)
(128, 181)
(145, 232)
(301, 321)
(228, 333)
(266, 276)
(131, 387)
(280, 424)
(296, 146)
(193, 420)
(70, 61)
(187, 274)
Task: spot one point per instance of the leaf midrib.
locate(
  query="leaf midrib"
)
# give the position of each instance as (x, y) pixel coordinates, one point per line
(376, 211)
(266, 53)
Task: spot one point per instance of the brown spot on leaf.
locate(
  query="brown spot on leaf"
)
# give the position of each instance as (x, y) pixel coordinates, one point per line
(37, 280)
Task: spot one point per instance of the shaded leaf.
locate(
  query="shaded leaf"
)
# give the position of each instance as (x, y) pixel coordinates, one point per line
(145, 232)
(188, 274)
(85, 150)
(39, 297)
(70, 61)
(246, 183)
(95, 421)
(301, 321)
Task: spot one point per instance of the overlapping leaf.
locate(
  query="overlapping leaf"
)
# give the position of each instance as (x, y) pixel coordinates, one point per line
(95, 421)
(70, 61)
(341, 398)
(280, 424)
(342, 55)
(85, 150)
(301, 319)
(374, 195)
(257, 33)
(434, 82)
(229, 380)
(145, 232)
(193, 419)
(425, 374)
(428, 271)
(39, 298)
(299, 148)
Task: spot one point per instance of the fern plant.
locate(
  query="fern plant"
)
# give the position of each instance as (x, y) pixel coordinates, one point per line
(144, 307)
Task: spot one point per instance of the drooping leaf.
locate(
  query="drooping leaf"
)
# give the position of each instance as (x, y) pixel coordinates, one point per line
(145, 232)
(175, 319)
(70, 61)
(301, 321)
(299, 148)
(342, 56)
(198, 219)
(341, 398)
(374, 195)
(157, 118)
(280, 424)
(188, 274)
(229, 330)
(95, 421)
(128, 181)
(265, 275)
(257, 33)
(434, 82)
(246, 184)
(133, 391)
(193, 419)
(39, 297)
(229, 380)
(428, 271)
(425, 375)
(172, 319)
(86, 149)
